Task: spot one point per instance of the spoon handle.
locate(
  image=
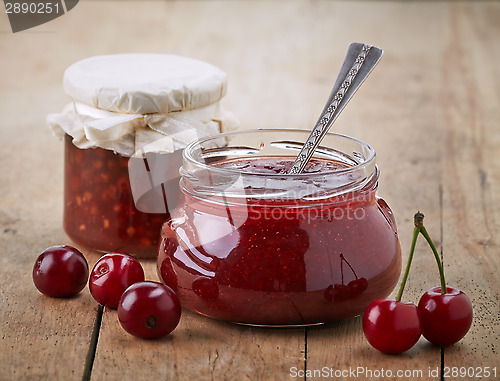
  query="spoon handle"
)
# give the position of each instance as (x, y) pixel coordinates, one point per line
(358, 63)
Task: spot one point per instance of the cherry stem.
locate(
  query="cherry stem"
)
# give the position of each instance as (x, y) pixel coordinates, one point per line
(348, 264)
(436, 256)
(341, 268)
(420, 228)
(410, 258)
(419, 222)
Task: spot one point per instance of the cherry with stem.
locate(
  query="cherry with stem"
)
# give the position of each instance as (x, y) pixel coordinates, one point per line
(393, 326)
(446, 311)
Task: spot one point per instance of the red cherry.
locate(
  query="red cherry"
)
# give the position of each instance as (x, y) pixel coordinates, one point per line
(149, 310)
(167, 273)
(206, 288)
(358, 286)
(337, 293)
(446, 318)
(111, 276)
(390, 326)
(60, 271)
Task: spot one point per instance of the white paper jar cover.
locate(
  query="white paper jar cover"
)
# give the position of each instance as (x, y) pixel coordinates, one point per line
(126, 108)
(135, 103)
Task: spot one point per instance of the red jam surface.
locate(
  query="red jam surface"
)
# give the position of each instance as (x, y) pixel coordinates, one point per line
(99, 209)
(280, 262)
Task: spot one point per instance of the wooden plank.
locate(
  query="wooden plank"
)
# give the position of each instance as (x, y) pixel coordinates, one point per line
(38, 334)
(465, 127)
(227, 35)
(41, 337)
(471, 88)
(199, 348)
(314, 66)
(429, 109)
(395, 113)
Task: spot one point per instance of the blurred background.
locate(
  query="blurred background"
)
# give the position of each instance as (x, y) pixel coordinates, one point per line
(281, 57)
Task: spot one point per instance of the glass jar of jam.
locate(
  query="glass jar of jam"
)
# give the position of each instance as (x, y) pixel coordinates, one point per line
(99, 207)
(252, 244)
(130, 117)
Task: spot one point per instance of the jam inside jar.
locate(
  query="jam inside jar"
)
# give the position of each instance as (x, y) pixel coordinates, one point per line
(99, 208)
(252, 244)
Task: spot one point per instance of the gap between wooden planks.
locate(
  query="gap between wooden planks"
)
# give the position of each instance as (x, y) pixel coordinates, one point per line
(199, 348)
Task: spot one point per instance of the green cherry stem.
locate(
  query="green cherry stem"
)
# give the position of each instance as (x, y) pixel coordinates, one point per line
(436, 256)
(416, 230)
(420, 228)
(419, 222)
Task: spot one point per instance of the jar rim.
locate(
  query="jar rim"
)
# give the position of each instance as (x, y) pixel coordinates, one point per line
(191, 147)
(357, 172)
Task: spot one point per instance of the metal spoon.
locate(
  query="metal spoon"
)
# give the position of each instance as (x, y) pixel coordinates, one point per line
(358, 63)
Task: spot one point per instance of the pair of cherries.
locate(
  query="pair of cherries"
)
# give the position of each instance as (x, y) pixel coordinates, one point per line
(145, 309)
(443, 315)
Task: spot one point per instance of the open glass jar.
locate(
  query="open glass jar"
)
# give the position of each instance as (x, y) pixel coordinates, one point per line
(130, 117)
(252, 244)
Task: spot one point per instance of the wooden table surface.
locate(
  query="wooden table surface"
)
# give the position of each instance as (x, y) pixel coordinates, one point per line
(430, 109)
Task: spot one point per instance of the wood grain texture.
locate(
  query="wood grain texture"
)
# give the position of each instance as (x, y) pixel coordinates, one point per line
(430, 109)
(199, 348)
(400, 119)
(471, 170)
